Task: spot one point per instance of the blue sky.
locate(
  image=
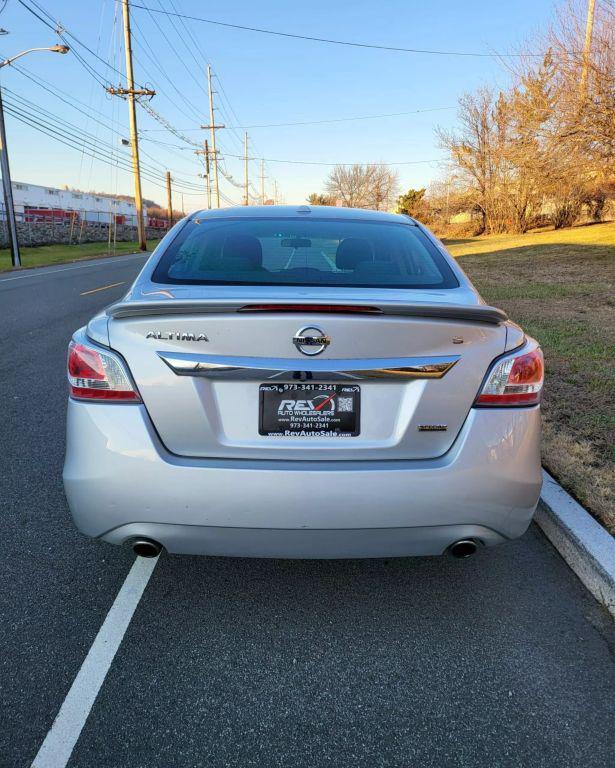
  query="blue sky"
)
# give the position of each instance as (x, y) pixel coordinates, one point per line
(265, 80)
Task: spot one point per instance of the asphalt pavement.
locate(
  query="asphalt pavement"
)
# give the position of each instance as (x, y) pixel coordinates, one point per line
(501, 660)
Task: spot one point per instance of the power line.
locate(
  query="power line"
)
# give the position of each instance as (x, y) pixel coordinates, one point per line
(316, 162)
(221, 166)
(190, 35)
(62, 32)
(74, 142)
(331, 119)
(50, 87)
(233, 130)
(56, 135)
(199, 52)
(96, 75)
(343, 119)
(78, 131)
(312, 162)
(74, 133)
(332, 41)
(104, 124)
(167, 125)
(169, 42)
(205, 61)
(187, 47)
(74, 138)
(147, 50)
(93, 91)
(66, 98)
(171, 148)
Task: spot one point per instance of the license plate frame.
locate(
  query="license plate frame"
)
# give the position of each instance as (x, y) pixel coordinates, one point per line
(309, 409)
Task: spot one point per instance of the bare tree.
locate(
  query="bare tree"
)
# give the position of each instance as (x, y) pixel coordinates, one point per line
(587, 115)
(363, 186)
(471, 149)
(546, 146)
(315, 198)
(384, 188)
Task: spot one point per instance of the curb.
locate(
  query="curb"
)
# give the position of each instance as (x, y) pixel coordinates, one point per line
(584, 544)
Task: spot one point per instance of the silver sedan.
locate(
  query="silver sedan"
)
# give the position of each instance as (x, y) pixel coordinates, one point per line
(303, 382)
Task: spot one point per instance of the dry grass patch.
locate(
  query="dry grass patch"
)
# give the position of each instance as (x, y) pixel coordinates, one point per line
(578, 466)
(560, 286)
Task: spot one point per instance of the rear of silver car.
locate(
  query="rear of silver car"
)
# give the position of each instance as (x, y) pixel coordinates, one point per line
(294, 414)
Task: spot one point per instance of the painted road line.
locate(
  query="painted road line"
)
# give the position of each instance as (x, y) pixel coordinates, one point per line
(102, 288)
(60, 741)
(97, 263)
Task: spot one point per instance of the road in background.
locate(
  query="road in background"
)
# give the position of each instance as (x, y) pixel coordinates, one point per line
(56, 585)
(501, 660)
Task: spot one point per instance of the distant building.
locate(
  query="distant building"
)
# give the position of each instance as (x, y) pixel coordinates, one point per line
(35, 203)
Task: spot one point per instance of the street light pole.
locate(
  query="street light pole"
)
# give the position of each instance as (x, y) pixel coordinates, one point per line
(7, 189)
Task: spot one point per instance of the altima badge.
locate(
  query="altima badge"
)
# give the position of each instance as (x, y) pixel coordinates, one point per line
(311, 340)
(176, 336)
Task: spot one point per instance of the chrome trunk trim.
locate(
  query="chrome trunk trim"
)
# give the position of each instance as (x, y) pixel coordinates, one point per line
(258, 368)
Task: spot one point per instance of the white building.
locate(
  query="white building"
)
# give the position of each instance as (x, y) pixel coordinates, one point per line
(35, 203)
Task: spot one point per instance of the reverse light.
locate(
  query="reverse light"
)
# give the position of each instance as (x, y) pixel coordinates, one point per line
(514, 380)
(94, 374)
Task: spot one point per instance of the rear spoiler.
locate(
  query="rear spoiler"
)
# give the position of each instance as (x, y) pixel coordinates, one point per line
(477, 313)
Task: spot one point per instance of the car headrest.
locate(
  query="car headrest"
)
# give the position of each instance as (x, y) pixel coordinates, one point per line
(245, 251)
(351, 251)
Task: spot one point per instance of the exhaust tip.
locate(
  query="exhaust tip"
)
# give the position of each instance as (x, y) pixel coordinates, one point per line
(463, 548)
(146, 548)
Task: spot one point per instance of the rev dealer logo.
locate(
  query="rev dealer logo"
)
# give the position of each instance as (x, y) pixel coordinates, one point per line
(320, 403)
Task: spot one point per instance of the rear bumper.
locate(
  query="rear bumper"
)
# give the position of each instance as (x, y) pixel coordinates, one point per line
(122, 483)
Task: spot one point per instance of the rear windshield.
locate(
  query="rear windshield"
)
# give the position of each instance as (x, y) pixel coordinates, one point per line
(304, 252)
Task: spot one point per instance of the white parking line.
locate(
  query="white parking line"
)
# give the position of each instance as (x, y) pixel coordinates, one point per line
(97, 263)
(61, 738)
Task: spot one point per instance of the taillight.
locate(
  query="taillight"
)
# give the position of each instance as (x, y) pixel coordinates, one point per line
(514, 380)
(94, 374)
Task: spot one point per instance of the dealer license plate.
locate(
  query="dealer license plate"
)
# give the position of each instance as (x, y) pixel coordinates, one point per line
(309, 410)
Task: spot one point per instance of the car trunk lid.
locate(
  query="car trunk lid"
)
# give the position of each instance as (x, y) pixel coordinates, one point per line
(199, 363)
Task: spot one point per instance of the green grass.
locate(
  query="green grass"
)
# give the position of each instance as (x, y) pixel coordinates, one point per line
(44, 255)
(560, 287)
(600, 236)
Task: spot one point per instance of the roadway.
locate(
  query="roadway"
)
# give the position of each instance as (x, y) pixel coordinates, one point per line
(502, 660)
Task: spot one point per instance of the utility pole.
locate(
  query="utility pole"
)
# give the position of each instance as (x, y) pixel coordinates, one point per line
(246, 200)
(9, 208)
(213, 128)
(130, 93)
(587, 49)
(207, 176)
(205, 153)
(262, 182)
(275, 192)
(183, 210)
(169, 200)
